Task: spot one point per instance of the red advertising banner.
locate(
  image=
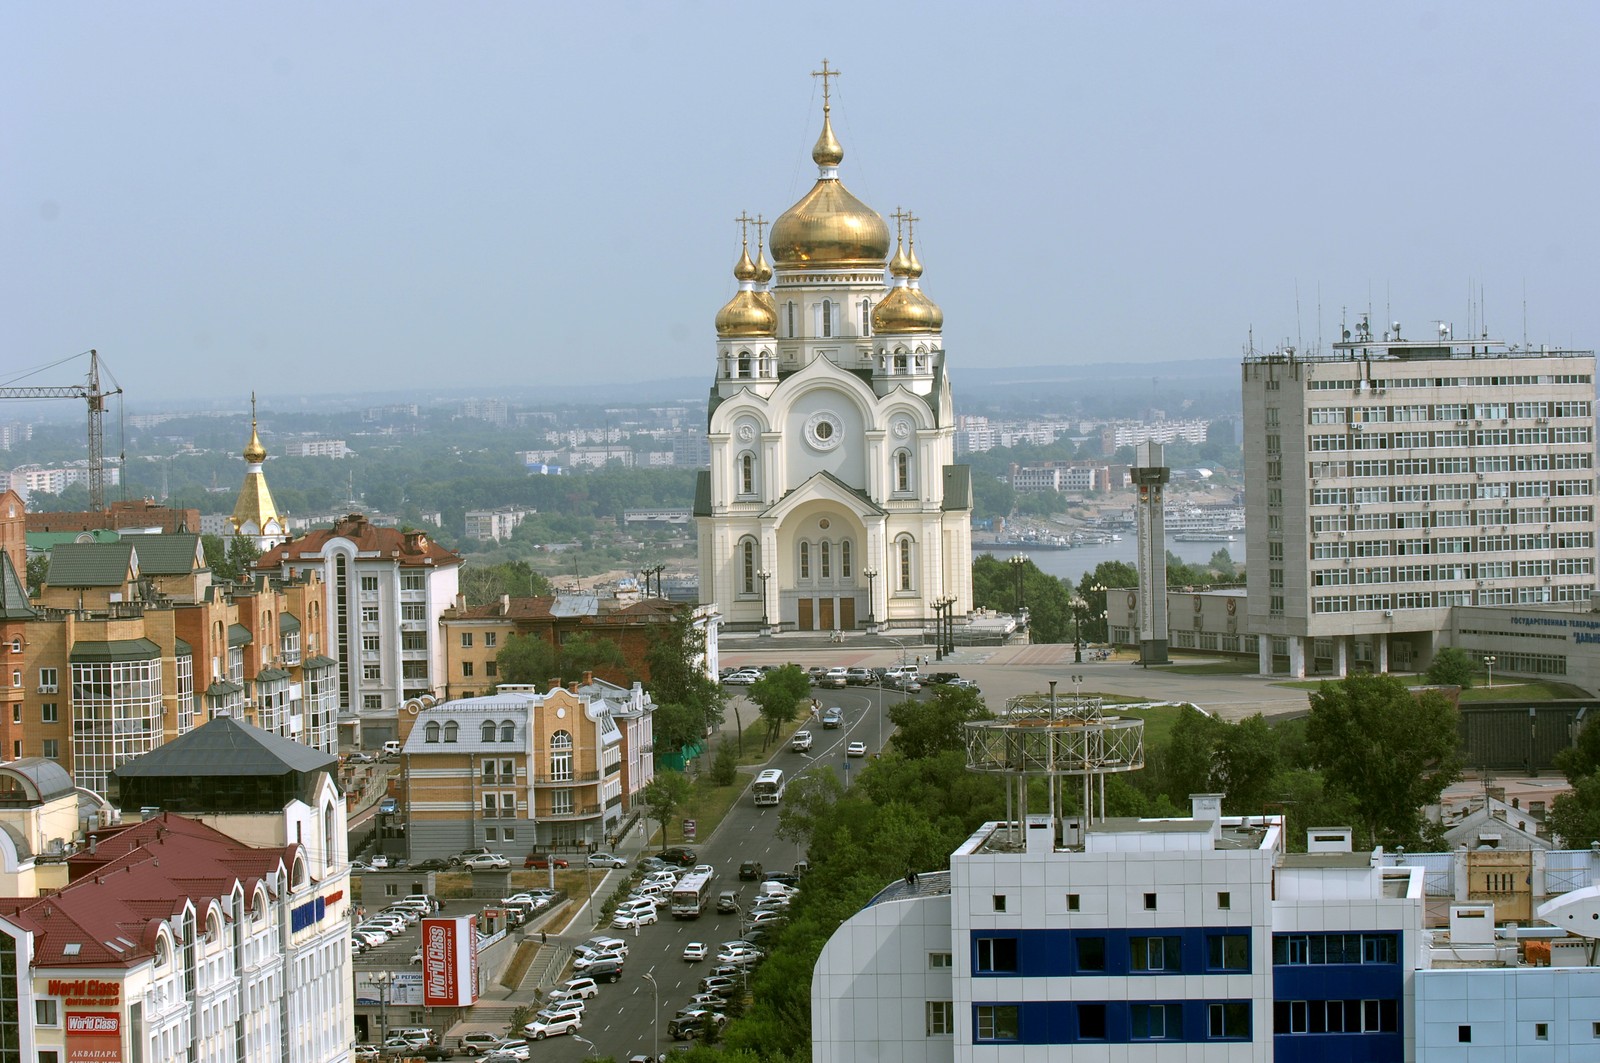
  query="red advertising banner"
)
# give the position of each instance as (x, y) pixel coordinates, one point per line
(449, 962)
(94, 1037)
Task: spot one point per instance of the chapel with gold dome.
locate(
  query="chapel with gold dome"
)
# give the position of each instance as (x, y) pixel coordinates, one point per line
(255, 514)
(833, 501)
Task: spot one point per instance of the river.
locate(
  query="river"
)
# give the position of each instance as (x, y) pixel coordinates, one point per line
(1072, 564)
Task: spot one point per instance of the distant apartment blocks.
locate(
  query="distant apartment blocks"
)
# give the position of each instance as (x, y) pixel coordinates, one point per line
(494, 525)
(25, 480)
(317, 448)
(1068, 476)
(978, 433)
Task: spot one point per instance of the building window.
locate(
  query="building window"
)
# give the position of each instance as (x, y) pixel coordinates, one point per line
(866, 317)
(1227, 952)
(508, 732)
(941, 1018)
(939, 959)
(996, 955)
(1091, 953)
(49, 679)
(902, 471)
(1156, 1022)
(372, 673)
(1464, 1034)
(369, 584)
(466, 668)
(491, 639)
(747, 565)
(561, 802)
(52, 749)
(451, 731)
(491, 667)
(999, 902)
(488, 731)
(1228, 1021)
(825, 559)
(372, 702)
(430, 733)
(49, 713)
(1091, 1022)
(747, 473)
(1225, 901)
(903, 548)
(466, 639)
(1541, 1031)
(844, 559)
(805, 560)
(827, 318)
(996, 1022)
(1156, 953)
(561, 756)
(46, 1012)
(1149, 902)
(788, 309)
(16, 677)
(1073, 901)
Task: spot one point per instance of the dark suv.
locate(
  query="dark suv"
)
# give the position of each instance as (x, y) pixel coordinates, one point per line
(679, 855)
(605, 969)
(750, 870)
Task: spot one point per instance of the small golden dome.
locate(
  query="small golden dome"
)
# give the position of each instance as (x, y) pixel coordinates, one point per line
(746, 314)
(914, 264)
(254, 452)
(900, 264)
(745, 270)
(906, 310)
(828, 151)
(763, 268)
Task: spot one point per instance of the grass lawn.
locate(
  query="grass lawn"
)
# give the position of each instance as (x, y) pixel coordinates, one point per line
(1501, 691)
(1158, 722)
(1230, 666)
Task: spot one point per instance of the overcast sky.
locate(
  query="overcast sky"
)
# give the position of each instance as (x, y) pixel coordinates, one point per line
(359, 196)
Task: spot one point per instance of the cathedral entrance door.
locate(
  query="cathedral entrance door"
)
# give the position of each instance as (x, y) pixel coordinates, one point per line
(847, 614)
(803, 616)
(825, 614)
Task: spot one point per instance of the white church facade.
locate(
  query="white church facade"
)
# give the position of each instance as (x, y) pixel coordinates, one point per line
(833, 502)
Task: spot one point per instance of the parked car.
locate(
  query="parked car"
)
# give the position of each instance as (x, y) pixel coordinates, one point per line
(606, 860)
(833, 718)
(739, 955)
(514, 1048)
(836, 678)
(427, 1052)
(388, 806)
(679, 855)
(800, 742)
(690, 1022)
(860, 677)
(750, 870)
(768, 917)
(486, 862)
(366, 1054)
(476, 1044)
(582, 988)
(547, 1024)
(467, 854)
(652, 863)
(728, 901)
(542, 861)
(708, 1000)
(856, 749)
(742, 678)
(433, 863)
(941, 677)
(718, 983)
(605, 970)
(633, 918)
(695, 951)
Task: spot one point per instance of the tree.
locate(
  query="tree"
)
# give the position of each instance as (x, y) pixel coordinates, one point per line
(230, 559)
(1247, 764)
(1451, 667)
(526, 659)
(664, 795)
(676, 658)
(676, 726)
(1386, 748)
(584, 652)
(933, 725)
(808, 801)
(38, 573)
(725, 766)
(1107, 575)
(1575, 816)
(483, 584)
(778, 695)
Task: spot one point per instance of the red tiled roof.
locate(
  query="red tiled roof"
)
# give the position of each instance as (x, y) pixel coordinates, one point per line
(408, 549)
(110, 907)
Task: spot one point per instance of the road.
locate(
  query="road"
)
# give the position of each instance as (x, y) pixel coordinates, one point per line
(618, 1022)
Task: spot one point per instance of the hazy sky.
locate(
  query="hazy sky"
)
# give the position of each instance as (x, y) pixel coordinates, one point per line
(335, 196)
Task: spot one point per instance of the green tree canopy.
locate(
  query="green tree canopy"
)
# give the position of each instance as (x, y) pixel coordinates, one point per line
(1387, 749)
(928, 726)
(483, 584)
(1451, 667)
(778, 694)
(526, 659)
(664, 795)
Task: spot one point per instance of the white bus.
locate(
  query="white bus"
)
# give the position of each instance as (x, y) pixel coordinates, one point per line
(691, 895)
(768, 787)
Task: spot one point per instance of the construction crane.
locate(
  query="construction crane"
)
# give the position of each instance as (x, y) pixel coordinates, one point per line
(96, 397)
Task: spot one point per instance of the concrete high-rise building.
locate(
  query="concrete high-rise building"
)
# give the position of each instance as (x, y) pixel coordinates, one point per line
(1395, 478)
(833, 500)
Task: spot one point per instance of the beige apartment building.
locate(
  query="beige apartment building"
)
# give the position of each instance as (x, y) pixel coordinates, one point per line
(1393, 480)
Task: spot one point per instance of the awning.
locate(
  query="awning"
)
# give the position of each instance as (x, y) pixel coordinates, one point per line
(114, 650)
(238, 635)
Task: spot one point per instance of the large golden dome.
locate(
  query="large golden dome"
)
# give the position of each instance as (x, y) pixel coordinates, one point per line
(747, 313)
(829, 227)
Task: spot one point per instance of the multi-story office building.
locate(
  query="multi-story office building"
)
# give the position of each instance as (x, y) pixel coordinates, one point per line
(493, 525)
(1395, 479)
(521, 770)
(386, 590)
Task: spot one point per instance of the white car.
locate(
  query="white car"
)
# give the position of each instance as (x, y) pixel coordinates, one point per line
(856, 749)
(486, 862)
(579, 988)
(548, 1024)
(742, 678)
(695, 951)
(703, 869)
(416, 957)
(606, 860)
(635, 917)
(739, 955)
(660, 878)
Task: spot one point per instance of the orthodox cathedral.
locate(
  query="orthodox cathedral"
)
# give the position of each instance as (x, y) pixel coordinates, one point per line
(833, 502)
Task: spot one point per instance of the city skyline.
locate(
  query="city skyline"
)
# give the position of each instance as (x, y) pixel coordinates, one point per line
(353, 198)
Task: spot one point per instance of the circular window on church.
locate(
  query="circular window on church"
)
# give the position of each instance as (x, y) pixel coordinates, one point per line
(823, 431)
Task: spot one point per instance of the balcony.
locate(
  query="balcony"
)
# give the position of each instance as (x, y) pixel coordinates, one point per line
(569, 779)
(578, 812)
(414, 625)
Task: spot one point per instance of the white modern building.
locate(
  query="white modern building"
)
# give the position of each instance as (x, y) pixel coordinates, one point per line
(1393, 480)
(386, 590)
(833, 501)
(494, 525)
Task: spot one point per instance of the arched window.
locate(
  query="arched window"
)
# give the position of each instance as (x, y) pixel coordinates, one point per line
(825, 559)
(805, 560)
(451, 730)
(747, 473)
(789, 313)
(903, 550)
(902, 470)
(744, 365)
(488, 730)
(430, 733)
(844, 559)
(899, 361)
(508, 732)
(866, 317)
(561, 756)
(747, 565)
(827, 318)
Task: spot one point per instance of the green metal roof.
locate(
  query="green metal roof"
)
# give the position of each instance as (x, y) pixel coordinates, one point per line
(181, 648)
(239, 635)
(45, 541)
(13, 592)
(288, 623)
(271, 675)
(114, 650)
(957, 488)
(90, 564)
(702, 493)
(317, 663)
(168, 555)
(221, 688)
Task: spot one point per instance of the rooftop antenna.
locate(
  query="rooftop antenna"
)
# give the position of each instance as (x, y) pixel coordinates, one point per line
(1299, 339)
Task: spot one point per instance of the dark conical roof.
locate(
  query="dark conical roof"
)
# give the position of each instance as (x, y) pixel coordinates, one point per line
(226, 746)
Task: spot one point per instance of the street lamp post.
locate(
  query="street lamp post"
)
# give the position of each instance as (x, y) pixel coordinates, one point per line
(1077, 605)
(1488, 662)
(655, 1025)
(1018, 563)
(594, 1053)
(766, 626)
(872, 577)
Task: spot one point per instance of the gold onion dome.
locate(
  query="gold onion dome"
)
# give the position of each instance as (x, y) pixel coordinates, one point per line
(906, 309)
(763, 268)
(829, 227)
(747, 313)
(254, 452)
